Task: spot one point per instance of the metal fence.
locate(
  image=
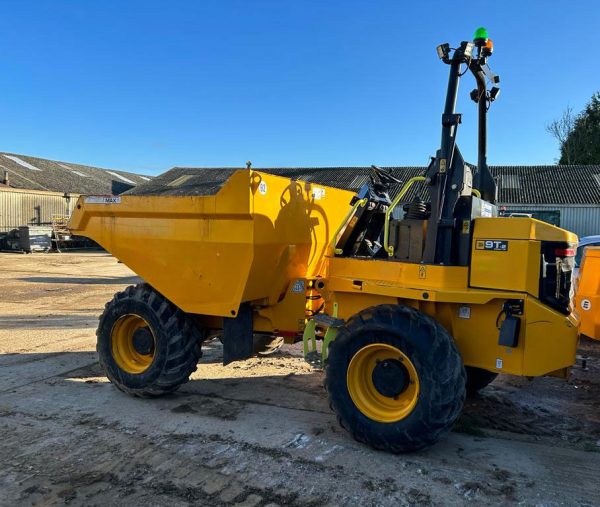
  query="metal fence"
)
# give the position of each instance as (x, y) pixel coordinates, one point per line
(32, 207)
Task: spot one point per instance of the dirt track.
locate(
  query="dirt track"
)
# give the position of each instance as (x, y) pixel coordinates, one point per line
(255, 433)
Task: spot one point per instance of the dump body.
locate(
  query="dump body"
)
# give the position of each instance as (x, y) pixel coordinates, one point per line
(250, 241)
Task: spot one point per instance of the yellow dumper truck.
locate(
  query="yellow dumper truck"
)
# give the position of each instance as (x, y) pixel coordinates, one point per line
(587, 294)
(413, 303)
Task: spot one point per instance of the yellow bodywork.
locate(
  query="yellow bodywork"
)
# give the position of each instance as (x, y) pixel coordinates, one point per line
(587, 293)
(516, 268)
(208, 254)
(547, 341)
(468, 301)
(267, 240)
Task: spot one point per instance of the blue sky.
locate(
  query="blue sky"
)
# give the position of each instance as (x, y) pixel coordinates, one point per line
(147, 85)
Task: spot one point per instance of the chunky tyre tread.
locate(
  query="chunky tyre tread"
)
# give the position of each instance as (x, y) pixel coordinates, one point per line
(180, 349)
(434, 355)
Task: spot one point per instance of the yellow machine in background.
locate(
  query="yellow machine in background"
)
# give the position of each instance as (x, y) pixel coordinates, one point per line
(415, 303)
(587, 293)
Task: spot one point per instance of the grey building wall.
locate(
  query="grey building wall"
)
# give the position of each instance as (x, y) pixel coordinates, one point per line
(580, 219)
(31, 207)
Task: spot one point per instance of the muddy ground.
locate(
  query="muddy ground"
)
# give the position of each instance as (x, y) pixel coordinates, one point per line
(255, 433)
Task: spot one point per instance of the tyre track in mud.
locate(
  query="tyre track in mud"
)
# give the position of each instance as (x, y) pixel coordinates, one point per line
(260, 433)
(99, 459)
(101, 463)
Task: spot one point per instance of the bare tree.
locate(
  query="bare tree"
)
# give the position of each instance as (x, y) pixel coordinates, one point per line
(562, 130)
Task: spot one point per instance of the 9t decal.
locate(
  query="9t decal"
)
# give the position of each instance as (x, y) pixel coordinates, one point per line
(496, 245)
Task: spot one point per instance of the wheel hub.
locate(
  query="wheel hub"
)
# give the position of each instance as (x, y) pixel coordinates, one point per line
(132, 344)
(142, 341)
(383, 382)
(390, 377)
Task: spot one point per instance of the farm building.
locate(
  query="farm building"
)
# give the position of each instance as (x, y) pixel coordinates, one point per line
(33, 190)
(566, 196)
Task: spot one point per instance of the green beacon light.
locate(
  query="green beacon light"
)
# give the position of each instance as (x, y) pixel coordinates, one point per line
(483, 42)
(480, 34)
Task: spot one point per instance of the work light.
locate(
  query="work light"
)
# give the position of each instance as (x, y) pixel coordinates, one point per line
(468, 51)
(443, 50)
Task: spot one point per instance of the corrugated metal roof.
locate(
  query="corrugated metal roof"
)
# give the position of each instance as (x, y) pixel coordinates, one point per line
(41, 174)
(517, 184)
(208, 181)
(550, 184)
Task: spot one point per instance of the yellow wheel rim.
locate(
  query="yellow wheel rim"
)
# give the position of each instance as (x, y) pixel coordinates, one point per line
(364, 380)
(123, 351)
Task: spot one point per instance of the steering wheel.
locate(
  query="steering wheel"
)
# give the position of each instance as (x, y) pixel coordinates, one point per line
(384, 176)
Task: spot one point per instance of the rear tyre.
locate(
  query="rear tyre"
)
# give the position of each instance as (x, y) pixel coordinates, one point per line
(395, 378)
(478, 378)
(146, 345)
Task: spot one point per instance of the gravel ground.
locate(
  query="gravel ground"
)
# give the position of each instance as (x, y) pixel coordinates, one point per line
(254, 433)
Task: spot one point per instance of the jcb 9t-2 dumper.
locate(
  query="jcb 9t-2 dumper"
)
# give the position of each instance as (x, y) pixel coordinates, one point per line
(414, 304)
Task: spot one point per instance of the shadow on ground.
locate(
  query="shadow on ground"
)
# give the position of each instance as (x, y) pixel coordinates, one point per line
(48, 321)
(109, 280)
(546, 408)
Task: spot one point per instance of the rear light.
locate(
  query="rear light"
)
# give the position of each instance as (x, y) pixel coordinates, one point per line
(557, 263)
(564, 252)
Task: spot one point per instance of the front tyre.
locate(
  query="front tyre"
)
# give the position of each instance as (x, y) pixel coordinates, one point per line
(395, 378)
(146, 345)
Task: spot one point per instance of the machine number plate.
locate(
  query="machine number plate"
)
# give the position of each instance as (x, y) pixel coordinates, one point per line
(586, 304)
(94, 199)
(495, 245)
(464, 312)
(298, 286)
(318, 193)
